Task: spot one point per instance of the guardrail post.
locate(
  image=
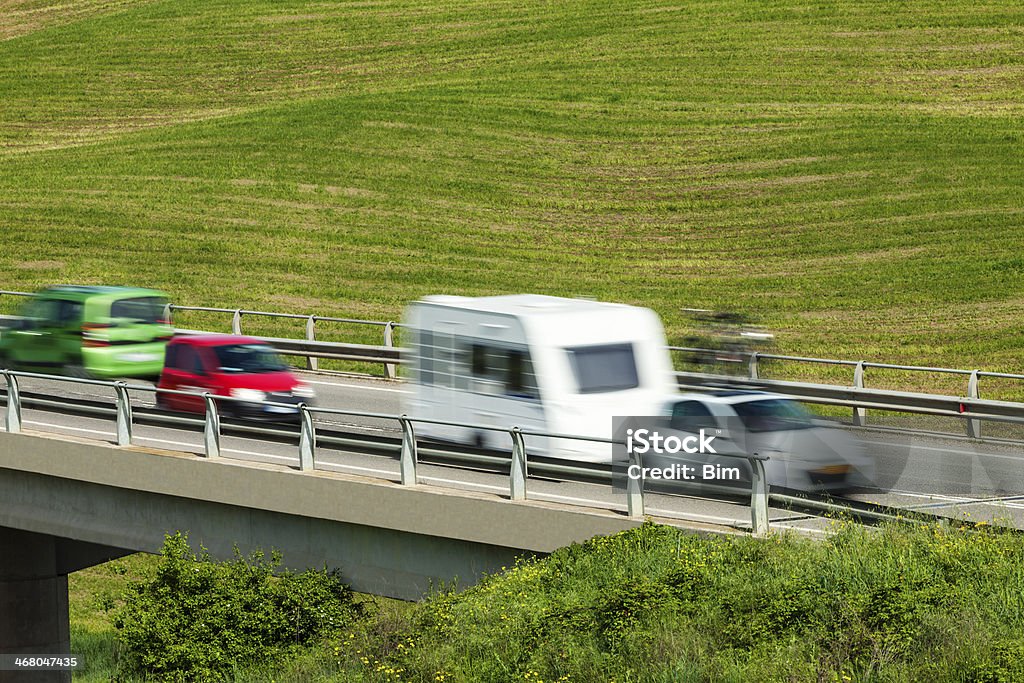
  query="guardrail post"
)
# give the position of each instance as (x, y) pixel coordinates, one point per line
(12, 419)
(236, 322)
(124, 415)
(634, 487)
(407, 463)
(973, 426)
(307, 439)
(389, 330)
(752, 366)
(312, 363)
(859, 414)
(211, 430)
(517, 477)
(758, 498)
(167, 313)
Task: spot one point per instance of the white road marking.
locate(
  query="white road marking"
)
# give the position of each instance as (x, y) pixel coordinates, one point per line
(806, 530)
(930, 496)
(76, 429)
(946, 501)
(165, 441)
(357, 386)
(354, 425)
(693, 515)
(489, 487)
(950, 450)
(334, 465)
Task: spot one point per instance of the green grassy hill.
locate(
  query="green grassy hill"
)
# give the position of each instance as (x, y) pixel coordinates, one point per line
(850, 174)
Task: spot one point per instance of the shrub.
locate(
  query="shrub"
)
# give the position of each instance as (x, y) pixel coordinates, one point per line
(197, 619)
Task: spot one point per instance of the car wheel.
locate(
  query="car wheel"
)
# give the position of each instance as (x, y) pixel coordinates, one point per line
(228, 409)
(76, 370)
(8, 362)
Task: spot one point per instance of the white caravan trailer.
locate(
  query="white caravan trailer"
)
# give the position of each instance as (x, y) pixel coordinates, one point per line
(537, 362)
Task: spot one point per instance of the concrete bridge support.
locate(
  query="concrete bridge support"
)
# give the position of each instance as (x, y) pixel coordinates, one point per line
(34, 572)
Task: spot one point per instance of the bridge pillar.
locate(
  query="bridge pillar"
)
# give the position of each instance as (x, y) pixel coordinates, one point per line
(34, 619)
(33, 602)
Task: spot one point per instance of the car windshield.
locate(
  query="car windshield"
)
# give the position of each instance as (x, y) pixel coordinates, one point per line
(773, 415)
(604, 368)
(143, 309)
(248, 358)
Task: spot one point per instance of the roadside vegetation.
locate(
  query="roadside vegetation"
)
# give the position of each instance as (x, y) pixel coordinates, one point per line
(929, 603)
(848, 175)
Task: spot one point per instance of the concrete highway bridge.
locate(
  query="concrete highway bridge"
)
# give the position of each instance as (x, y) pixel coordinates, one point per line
(71, 498)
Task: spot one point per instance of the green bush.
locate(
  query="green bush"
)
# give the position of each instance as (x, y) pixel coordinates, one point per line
(654, 604)
(196, 620)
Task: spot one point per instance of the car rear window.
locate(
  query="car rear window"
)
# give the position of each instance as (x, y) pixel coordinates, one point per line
(143, 309)
(240, 358)
(773, 415)
(604, 368)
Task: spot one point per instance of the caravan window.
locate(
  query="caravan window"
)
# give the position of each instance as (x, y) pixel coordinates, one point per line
(599, 369)
(468, 364)
(519, 378)
(509, 370)
(426, 357)
(439, 363)
(480, 363)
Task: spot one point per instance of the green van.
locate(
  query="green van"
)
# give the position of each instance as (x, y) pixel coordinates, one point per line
(102, 332)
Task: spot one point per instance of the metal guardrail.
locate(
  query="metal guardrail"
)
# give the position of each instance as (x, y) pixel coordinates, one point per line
(408, 457)
(389, 355)
(753, 376)
(310, 350)
(971, 408)
(855, 395)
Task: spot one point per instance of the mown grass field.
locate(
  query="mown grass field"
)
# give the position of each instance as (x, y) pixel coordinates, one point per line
(849, 174)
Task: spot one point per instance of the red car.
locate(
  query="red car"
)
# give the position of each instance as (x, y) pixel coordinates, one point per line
(230, 365)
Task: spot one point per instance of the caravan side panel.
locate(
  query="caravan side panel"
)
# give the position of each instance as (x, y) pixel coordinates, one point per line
(473, 367)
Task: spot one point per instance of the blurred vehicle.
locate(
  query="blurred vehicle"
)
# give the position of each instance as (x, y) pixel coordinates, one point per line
(725, 341)
(81, 331)
(806, 453)
(230, 365)
(541, 363)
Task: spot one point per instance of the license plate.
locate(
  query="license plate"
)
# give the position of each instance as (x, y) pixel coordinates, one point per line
(137, 357)
(280, 409)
